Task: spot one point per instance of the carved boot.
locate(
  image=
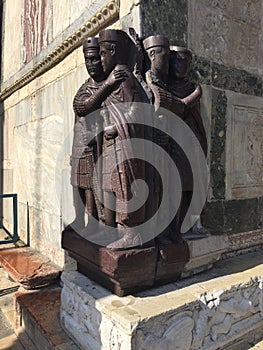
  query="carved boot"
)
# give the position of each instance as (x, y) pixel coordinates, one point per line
(131, 239)
(200, 231)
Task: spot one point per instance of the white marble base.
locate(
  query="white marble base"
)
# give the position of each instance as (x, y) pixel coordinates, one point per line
(204, 253)
(209, 311)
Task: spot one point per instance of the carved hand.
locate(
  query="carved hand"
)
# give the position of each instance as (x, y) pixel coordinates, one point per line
(116, 77)
(110, 132)
(169, 101)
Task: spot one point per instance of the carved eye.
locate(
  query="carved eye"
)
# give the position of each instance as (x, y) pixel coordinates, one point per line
(152, 53)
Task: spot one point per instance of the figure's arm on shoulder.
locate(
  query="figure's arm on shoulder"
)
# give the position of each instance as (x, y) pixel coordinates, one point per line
(78, 101)
(171, 102)
(194, 97)
(85, 103)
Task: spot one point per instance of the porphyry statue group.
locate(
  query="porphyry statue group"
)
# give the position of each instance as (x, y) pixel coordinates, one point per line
(131, 77)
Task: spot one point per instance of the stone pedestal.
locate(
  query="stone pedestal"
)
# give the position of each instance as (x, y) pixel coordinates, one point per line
(127, 271)
(133, 270)
(216, 309)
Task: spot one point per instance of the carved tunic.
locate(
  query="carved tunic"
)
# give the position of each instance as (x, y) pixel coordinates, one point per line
(192, 115)
(184, 89)
(84, 154)
(125, 173)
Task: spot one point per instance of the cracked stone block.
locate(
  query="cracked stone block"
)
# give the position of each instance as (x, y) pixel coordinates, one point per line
(28, 268)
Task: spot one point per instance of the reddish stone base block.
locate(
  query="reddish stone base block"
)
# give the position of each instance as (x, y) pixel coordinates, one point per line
(126, 271)
(28, 268)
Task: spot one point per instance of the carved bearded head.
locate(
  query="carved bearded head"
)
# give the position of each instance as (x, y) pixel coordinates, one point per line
(157, 47)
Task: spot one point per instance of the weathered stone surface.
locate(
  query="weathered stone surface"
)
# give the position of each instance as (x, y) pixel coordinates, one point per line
(12, 16)
(208, 311)
(130, 15)
(236, 80)
(28, 268)
(37, 316)
(8, 141)
(242, 215)
(171, 263)
(127, 6)
(10, 342)
(204, 253)
(68, 12)
(39, 146)
(127, 271)
(171, 338)
(233, 216)
(8, 181)
(244, 148)
(246, 241)
(201, 70)
(218, 140)
(227, 32)
(173, 23)
(205, 71)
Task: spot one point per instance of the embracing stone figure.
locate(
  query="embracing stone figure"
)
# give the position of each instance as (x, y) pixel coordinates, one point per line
(117, 94)
(86, 144)
(189, 94)
(157, 78)
(122, 112)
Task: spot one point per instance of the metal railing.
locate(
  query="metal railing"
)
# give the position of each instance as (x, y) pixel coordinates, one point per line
(13, 237)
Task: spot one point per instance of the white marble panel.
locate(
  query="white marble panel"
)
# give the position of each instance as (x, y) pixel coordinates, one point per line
(36, 167)
(11, 61)
(244, 147)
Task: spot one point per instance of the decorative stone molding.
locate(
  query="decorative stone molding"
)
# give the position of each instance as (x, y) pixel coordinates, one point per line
(104, 17)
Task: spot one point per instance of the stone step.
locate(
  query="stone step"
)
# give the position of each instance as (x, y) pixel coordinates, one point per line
(28, 268)
(38, 320)
(11, 342)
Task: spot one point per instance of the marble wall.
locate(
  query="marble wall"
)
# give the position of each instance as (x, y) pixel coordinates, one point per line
(38, 124)
(37, 119)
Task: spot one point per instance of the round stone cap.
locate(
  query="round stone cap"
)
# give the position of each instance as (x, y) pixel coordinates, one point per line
(91, 43)
(155, 40)
(113, 35)
(181, 49)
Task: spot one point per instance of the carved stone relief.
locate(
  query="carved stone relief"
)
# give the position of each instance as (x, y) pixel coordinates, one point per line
(247, 163)
(227, 32)
(244, 155)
